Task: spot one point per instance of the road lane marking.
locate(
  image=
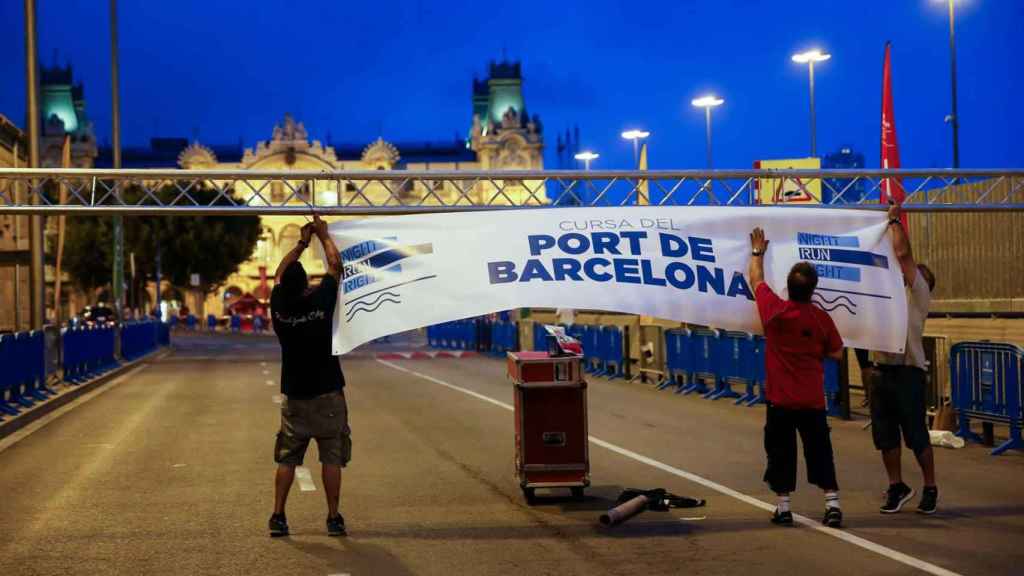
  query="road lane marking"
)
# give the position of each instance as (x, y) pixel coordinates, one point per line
(20, 435)
(712, 485)
(305, 479)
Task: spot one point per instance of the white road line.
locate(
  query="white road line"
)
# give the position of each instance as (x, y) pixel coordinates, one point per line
(305, 479)
(710, 484)
(33, 426)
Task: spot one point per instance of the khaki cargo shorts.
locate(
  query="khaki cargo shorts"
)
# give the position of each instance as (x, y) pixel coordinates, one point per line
(324, 418)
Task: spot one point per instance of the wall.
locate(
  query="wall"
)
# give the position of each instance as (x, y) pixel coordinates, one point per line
(977, 257)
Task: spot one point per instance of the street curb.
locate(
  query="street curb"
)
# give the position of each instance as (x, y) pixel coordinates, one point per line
(9, 427)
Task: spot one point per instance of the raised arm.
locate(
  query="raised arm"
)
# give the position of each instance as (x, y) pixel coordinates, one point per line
(295, 253)
(901, 244)
(330, 249)
(758, 246)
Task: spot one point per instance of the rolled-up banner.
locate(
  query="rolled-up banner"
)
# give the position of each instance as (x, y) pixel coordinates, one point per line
(624, 511)
(687, 264)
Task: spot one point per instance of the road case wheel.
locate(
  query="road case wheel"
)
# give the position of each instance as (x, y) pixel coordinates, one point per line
(530, 495)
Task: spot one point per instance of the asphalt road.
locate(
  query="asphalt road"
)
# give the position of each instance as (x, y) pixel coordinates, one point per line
(169, 471)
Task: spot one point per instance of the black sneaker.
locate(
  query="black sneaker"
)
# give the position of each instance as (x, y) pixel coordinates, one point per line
(929, 500)
(278, 525)
(896, 497)
(833, 517)
(336, 526)
(782, 518)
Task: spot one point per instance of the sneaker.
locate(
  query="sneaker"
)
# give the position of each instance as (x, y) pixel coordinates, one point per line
(336, 526)
(896, 497)
(833, 517)
(929, 500)
(782, 518)
(278, 525)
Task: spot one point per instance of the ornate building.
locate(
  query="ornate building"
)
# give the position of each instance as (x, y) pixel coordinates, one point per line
(14, 256)
(502, 136)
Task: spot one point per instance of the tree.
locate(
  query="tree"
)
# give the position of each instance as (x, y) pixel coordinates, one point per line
(211, 246)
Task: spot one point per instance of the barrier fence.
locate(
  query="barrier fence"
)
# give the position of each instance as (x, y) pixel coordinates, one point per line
(86, 353)
(712, 363)
(986, 383)
(22, 371)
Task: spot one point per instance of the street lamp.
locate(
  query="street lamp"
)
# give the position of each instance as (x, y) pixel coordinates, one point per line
(586, 156)
(810, 57)
(707, 103)
(953, 119)
(636, 136)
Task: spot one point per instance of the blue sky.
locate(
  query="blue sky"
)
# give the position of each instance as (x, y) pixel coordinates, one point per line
(403, 70)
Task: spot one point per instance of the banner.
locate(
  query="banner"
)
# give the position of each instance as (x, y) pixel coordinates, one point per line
(687, 264)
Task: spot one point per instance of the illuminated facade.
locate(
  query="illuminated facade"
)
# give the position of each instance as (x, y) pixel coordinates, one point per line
(501, 137)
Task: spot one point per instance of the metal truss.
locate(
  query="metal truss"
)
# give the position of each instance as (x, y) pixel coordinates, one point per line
(206, 192)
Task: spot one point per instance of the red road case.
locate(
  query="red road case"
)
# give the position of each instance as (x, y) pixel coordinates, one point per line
(551, 422)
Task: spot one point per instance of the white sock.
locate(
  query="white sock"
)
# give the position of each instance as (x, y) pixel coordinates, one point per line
(783, 503)
(831, 499)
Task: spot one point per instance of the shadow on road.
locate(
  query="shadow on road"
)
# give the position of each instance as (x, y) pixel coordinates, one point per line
(349, 555)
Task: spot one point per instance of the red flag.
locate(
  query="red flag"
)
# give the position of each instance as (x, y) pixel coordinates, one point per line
(891, 188)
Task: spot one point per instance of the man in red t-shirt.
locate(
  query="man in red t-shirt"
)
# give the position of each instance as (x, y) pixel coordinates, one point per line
(799, 336)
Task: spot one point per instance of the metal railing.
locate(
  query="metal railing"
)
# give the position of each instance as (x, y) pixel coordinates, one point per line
(195, 192)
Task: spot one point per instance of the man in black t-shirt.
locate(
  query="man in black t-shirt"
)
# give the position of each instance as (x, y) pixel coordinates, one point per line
(311, 379)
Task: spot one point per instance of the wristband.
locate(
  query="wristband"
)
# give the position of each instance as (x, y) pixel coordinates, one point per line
(757, 253)
(895, 221)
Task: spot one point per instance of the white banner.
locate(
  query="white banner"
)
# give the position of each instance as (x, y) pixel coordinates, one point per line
(680, 263)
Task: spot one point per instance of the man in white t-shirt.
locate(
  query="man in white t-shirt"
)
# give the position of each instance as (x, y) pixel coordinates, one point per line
(898, 395)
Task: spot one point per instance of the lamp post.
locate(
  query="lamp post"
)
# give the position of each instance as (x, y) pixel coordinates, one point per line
(810, 57)
(117, 274)
(707, 103)
(636, 136)
(586, 156)
(953, 119)
(37, 245)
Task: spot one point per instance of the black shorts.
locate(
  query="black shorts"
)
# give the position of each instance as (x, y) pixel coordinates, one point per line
(780, 432)
(898, 406)
(323, 418)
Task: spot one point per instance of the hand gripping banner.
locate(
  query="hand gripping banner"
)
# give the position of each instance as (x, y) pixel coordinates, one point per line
(687, 264)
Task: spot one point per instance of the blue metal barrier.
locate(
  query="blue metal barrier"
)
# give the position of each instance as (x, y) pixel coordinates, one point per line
(88, 352)
(986, 380)
(832, 387)
(705, 361)
(612, 351)
(755, 389)
(540, 336)
(11, 398)
(503, 338)
(735, 352)
(138, 339)
(678, 358)
(592, 349)
(163, 333)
